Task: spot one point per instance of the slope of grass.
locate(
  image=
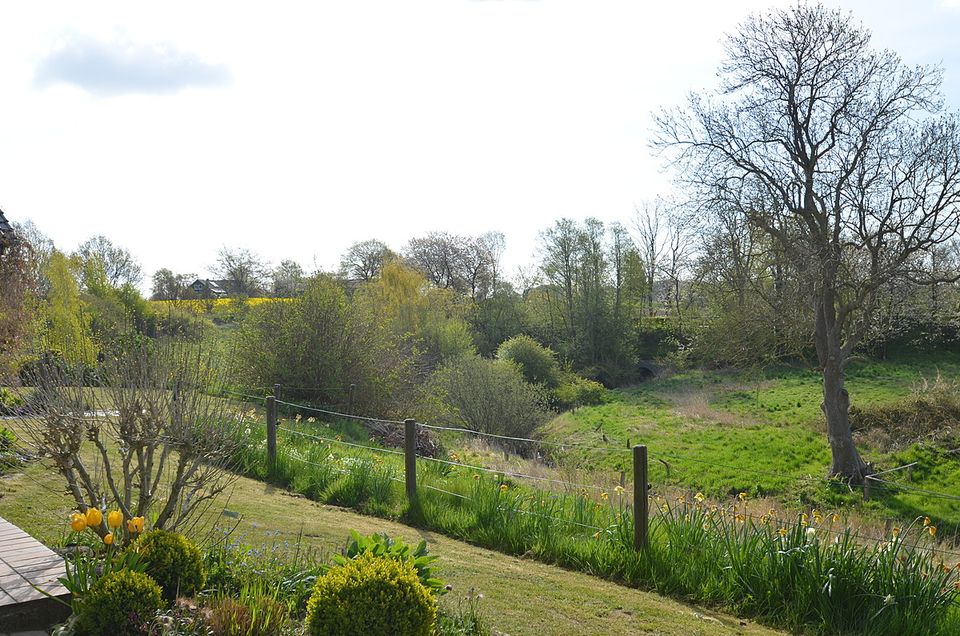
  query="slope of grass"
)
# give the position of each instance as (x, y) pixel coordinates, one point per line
(520, 596)
(723, 432)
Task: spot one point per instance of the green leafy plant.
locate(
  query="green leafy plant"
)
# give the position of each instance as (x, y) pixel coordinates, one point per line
(173, 561)
(371, 596)
(120, 603)
(381, 545)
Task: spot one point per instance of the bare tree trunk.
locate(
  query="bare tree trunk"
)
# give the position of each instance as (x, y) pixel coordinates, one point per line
(846, 461)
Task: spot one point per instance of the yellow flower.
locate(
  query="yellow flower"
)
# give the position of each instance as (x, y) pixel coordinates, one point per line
(740, 518)
(783, 532)
(78, 522)
(135, 525)
(804, 518)
(742, 496)
(619, 490)
(596, 535)
(932, 530)
(926, 521)
(504, 487)
(604, 496)
(835, 518)
(114, 519)
(817, 517)
(699, 496)
(895, 532)
(681, 499)
(476, 476)
(94, 517)
(772, 512)
(665, 508)
(108, 538)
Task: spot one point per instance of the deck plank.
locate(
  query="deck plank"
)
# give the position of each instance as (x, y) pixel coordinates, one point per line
(25, 563)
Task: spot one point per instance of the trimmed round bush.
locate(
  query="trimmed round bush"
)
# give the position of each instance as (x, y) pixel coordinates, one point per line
(120, 603)
(173, 561)
(371, 596)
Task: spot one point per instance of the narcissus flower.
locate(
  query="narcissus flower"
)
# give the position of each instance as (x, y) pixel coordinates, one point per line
(618, 490)
(895, 532)
(94, 517)
(926, 521)
(114, 519)
(742, 496)
(811, 533)
(604, 496)
(504, 487)
(932, 530)
(699, 496)
(108, 538)
(78, 522)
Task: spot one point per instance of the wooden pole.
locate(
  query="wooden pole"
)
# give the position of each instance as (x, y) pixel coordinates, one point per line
(353, 388)
(866, 488)
(410, 457)
(641, 512)
(276, 391)
(271, 432)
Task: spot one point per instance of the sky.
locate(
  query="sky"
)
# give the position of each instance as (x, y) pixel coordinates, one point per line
(295, 129)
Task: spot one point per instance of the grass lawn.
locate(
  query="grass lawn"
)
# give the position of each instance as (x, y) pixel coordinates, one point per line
(520, 596)
(726, 432)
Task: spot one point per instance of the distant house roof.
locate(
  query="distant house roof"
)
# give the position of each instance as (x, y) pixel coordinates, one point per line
(217, 288)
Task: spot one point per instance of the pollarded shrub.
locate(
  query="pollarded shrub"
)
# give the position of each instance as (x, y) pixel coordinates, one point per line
(371, 596)
(120, 603)
(173, 561)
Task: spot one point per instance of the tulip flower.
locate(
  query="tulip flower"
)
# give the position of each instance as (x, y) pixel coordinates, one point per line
(114, 519)
(78, 522)
(135, 525)
(108, 538)
(94, 517)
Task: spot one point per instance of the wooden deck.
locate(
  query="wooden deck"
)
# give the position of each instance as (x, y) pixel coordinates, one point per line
(25, 565)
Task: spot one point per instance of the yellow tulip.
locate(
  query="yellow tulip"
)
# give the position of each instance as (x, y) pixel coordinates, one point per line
(137, 524)
(108, 538)
(78, 522)
(94, 517)
(114, 519)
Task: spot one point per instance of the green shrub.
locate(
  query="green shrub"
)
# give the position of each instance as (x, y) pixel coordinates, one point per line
(537, 363)
(173, 561)
(10, 402)
(576, 391)
(371, 596)
(381, 545)
(120, 603)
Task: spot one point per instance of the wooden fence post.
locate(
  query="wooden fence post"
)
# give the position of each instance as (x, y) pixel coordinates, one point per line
(271, 432)
(866, 488)
(276, 391)
(353, 388)
(410, 457)
(641, 512)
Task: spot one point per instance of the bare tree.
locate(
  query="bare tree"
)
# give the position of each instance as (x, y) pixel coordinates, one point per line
(119, 265)
(170, 286)
(160, 443)
(841, 155)
(649, 223)
(288, 280)
(365, 260)
(246, 271)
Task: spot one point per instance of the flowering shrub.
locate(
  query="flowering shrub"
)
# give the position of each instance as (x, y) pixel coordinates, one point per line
(173, 560)
(371, 596)
(119, 603)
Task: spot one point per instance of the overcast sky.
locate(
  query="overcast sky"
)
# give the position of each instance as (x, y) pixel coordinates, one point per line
(295, 129)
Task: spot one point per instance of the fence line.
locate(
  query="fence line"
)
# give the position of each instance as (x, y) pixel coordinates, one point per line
(639, 461)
